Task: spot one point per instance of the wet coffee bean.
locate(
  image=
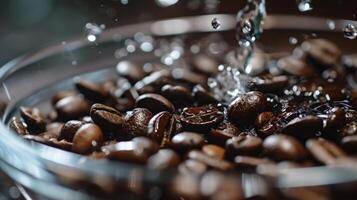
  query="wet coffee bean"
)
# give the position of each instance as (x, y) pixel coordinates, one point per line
(205, 64)
(324, 151)
(336, 119)
(222, 133)
(192, 167)
(248, 162)
(243, 145)
(161, 127)
(203, 96)
(186, 141)
(274, 84)
(321, 52)
(88, 137)
(201, 119)
(60, 95)
(18, 126)
(304, 127)
(245, 108)
(92, 91)
(263, 118)
(69, 129)
(210, 161)
(107, 118)
(137, 121)
(295, 66)
(34, 120)
(72, 107)
(155, 103)
(179, 95)
(349, 144)
(163, 159)
(213, 151)
(283, 147)
(130, 71)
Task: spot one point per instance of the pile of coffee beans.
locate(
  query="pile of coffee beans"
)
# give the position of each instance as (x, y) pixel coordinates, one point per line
(300, 111)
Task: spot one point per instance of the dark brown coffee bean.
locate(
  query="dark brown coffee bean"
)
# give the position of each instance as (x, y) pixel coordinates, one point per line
(163, 159)
(137, 121)
(304, 127)
(321, 52)
(354, 99)
(283, 147)
(210, 161)
(263, 118)
(18, 126)
(72, 107)
(222, 133)
(349, 143)
(160, 127)
(88, 137)
(107, 118)
(349, 129)
(204, 64)
(200, 118)
(187, 76)
(192, 167)
(155, 103)
(186, 141)
(203, 96)
(246, 107)
(92, 91)
(60, 95)
(274, 84)
(34, 120)
(324, 151)
(336, 119)
(130, 71)
(69, 129)
(213, 151)
(243, 145)
(179, 95)
(137, 150)
(53, 130)
(248, 162)
(295, 66)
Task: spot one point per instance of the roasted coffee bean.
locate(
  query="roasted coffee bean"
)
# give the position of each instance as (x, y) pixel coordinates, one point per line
(137, 121)
(304, 127)
(161, 127)
(336, 119)
(248, 162)
(246, 107)
(53, 130)
(137, 150)
(130, 71)
(349, 129)
(321, 52)
(179, 95)
(60, 95)
(155, 103)
(69, 129)
(192, 167)
(324, 151)
(295, 66)
(184, 186)
(154, 82)
(92, 91)
(107, 118)
(203, 96)
(274, 84)
(349, 143)
(263, 118)
(186, 141)
(204, 64)
(163, 159)
(88, 137)
(243, 145)
(210, 161)
(222, 133)
(187, 76)
(34, 120)
(283, 147)
(18, 126)
(201, 118)
(213, 151)
(72, 107)
(354, 99)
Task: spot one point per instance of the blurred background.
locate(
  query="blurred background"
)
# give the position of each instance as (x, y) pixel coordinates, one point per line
(31, 24)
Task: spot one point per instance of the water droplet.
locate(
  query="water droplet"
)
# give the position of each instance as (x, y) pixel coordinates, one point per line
(216, 24)
(304, 5)
(331, 24)
(350, 31)
(74, 63)
(166, 3)
(130, 45)
(293, 40)
(93, 31)
(124, 2)
(63, 42)
(195, 49)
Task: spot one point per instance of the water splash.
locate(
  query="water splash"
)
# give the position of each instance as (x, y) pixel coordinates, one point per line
(216, 24)
(93, 31)
(350, 31)
(331, 24)
(6, 91)
(293, 40)
(304, 5)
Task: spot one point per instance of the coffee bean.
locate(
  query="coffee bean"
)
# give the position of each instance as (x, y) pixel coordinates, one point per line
(336, 119)
(72, 107)
(304, 127)
(324, 151)
(62, 144)
(92, 91)
(161, 127)
(186, 141)
(274, 84)
(246, 107)
(154, 82)
(213, 151)
(184, 187)
(321, 52)
(179, 95)
(248, 162)
(354, 99)
(203, 96)
(243, 145)
(349, 129)
(222, 133)
(263, 118)
(69, 129)
(200, 118)
(295, 66)
(155, 103)
(204, 64)
(18, 126)
(34, 120)
(107, 118)
(283, 147)
(137, 121)
(53, 130)
(210, 161)
(163, 159)
(60, 95)
(88, 137)
(349, 143)
(131, 71)
(192, 167)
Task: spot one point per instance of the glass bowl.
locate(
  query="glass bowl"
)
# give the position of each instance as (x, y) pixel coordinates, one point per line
(45, 172)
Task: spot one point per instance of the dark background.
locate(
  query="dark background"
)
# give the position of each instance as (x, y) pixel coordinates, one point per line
(30, 24)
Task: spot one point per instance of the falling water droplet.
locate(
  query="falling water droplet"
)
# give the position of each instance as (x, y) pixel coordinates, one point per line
(293, 40)
(93, 31)
(350, 31)
(331, 24)
(304, 5)
(216, 24)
